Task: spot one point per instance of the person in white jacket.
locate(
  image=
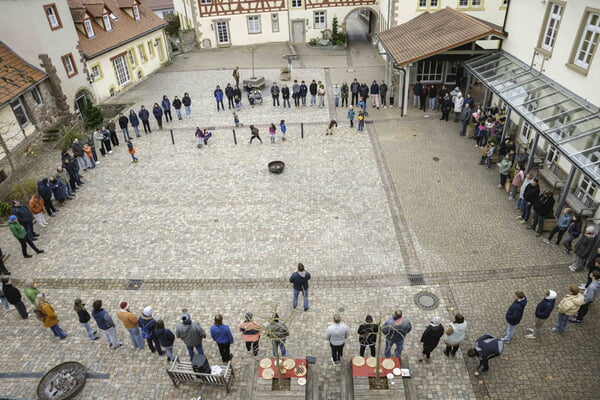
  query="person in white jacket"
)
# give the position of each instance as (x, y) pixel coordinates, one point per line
(337, 333)
(455, 334)
(458, 106)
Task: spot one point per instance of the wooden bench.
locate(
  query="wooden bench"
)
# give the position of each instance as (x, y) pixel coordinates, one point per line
(580, 207)
(550, 176)
(182, 372)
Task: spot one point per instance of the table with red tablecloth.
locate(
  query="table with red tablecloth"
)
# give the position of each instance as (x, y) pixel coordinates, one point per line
(365, 370)
(291, 373)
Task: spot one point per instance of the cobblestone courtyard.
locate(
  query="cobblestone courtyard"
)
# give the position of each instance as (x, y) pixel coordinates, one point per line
(213, 231)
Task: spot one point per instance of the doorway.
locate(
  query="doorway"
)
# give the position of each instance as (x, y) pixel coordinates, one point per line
(298, 31)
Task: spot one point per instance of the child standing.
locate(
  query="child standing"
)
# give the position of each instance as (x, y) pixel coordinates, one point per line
(131, 150)
(236, 120)
(361, 120)
(272, 133)
(238, 102)
(490, 154)
(481, 130)
(351, 115)
(283, 129)
(84, 319)
(200, 136)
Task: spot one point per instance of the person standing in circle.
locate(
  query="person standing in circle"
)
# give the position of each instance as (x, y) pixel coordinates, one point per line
(300, 279)
(255, 134)
(222, 335)
(336, 334)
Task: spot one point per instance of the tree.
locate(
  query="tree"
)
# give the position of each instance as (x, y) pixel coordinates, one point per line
(337, 38)
(173, 24)
(92, 115)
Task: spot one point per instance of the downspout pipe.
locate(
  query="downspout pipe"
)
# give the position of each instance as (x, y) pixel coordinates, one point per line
(505, 17)
(403, 70)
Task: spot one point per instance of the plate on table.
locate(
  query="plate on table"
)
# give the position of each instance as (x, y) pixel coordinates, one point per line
(289, 363)
(268, 374)
(358, 361)
(390, 376)
(371, 362)
(265, 363)
(397, 371)
(302, 381)
(388, 363)
(300, 370)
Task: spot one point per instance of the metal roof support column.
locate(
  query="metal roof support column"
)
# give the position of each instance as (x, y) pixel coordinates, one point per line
(532, 149)
(506, 121)
(469, 78)
(565, 191)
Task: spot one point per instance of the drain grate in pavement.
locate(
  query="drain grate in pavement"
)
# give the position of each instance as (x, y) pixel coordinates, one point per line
(35, 375)
(427, 300)
(135, 284)
(416, 279)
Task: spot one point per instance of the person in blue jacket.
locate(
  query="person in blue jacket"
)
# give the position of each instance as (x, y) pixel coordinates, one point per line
(145, 116)
(166, 106)
(165, 338)
(222, 335)
(158, 114)
(561, 226)
(135, 122)
(514, 315)
(219, 98)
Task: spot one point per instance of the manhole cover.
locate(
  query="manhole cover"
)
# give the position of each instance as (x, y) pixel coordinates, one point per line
(427, 300)
(62, 382)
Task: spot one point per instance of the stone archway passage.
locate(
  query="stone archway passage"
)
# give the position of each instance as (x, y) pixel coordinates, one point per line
(360, 23)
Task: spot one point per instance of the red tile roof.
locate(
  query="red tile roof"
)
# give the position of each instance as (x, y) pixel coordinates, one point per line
(433, 33)
(124, 30)
(16, 75)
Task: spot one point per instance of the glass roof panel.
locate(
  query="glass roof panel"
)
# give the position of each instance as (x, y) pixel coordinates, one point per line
(559, 115)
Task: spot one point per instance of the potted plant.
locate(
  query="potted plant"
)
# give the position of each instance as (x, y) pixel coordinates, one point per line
(285, 74)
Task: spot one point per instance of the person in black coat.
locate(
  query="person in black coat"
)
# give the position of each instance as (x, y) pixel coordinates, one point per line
(45, 193)
(124, 124)
(145, 118)
(58, 189)
(13, 296)
(312, 88)
(531, 193)
(25, 217)
(447, 105)
(542, 209)
(367, 336)
(229, 94)
(303, 93)
(177, 107)
(354, 89)
(300, 280)
(431, 337)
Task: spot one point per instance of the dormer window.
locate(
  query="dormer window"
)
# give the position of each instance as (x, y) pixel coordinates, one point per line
(136, 12)
(107, 24)
(89, 29)
(114, 17)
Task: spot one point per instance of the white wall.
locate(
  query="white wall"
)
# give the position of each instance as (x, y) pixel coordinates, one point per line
(523, 38)
(25, 29)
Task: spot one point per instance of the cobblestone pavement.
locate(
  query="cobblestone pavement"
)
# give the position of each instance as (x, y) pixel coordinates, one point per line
(212, 231)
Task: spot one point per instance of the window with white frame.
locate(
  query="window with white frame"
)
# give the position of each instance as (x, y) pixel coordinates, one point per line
(296, 3)
(254, 24)
(320, 20)
(275, 22)
(136, 12)
(19, 112)
(89, 29)
(433, 3)
(69, 64)
(463, 3)
(551, 28)
(131, 58)
(526, 132)
(142, 53)
(222, 32)
(430, 71)
(588, 41)
(470, 3)
(476, 3)
(586, 190)
(37, 95)
(150, 49)
(423, 3)
(121, 70)
(107, 24)
(205, 1)
(52, 16)
(551, 155)
(95, 72)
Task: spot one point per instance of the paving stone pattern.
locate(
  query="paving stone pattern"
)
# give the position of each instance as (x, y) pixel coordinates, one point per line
(213, 231)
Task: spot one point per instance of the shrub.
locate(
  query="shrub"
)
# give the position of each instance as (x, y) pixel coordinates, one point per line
(173, 24)
(92, 115)
(68, 135)
(337, 38)
(29, 187)
(5, 209)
